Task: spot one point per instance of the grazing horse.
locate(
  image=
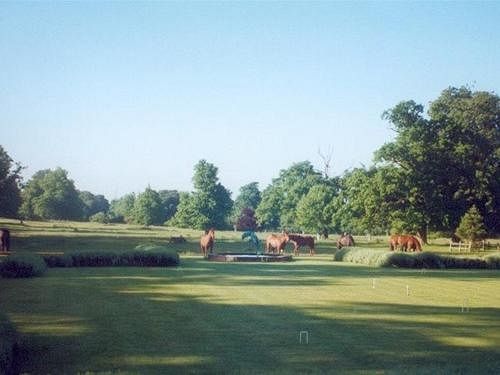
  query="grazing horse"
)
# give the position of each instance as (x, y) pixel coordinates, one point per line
(405, 243)
(299, 241)
(277, 242)
(207, 241)
(5, 240)
(345, 240)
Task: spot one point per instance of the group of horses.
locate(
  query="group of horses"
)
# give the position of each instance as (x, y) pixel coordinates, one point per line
(404, 243)
(275, 243)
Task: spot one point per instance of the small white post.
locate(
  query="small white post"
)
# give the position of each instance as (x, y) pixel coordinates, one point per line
(407, 290)
(373, 283)
(306, 336)
(465, 305)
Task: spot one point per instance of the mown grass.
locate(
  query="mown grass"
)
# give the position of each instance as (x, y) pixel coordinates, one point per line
(227, 318)
(205, 317)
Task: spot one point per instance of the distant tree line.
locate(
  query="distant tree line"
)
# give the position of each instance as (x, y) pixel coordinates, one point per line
(439, 167)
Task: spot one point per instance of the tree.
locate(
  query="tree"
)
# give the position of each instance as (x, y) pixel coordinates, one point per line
(121, 210)
(169, 202)
(51, 195)
(471, 226)
(93, 204)
(10, 179)
(279, 200)
(248, 198)
(448, 161)
(246, 220)
(148, 209)
(208, 205)
(315, 209)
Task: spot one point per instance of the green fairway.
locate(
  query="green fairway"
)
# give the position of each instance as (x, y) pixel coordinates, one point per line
(230, 318)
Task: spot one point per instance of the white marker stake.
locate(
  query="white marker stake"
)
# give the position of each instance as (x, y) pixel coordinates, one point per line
(373, 283)
(306, 336)
(407, 290)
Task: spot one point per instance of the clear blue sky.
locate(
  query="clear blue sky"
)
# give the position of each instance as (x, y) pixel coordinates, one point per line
(126, 95)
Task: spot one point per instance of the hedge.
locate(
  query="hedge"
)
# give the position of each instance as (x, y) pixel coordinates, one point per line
(22, 265)
(414, 260)
(134, 258)
(8, 346)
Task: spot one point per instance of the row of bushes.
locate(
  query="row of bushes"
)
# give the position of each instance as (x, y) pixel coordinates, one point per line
(8, 346)
(414, 260)
(29, 265)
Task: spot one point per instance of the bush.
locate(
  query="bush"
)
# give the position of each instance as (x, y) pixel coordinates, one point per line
(8, 346)
(22, 265)
(137, 258)
(100, 217)
(414, 260)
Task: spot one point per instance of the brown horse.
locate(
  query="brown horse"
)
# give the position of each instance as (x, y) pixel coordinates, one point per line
(4, 240)
(277, 242)
(405, 243)
(299, 241)
(207, 242)
(345, 240)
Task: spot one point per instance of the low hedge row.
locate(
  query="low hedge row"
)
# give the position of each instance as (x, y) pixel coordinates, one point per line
(414, 260)
(22, 265)
(136, 258)
(8, 346)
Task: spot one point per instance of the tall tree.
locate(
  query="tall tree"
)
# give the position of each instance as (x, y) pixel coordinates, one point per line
(279, 200)
(169, 201)
(148, 209)
(448, 161)
(121, 210)
(315, 209)
(10, 179)
(248, 198)
(208, 205)
(93, 204)
(50, 194)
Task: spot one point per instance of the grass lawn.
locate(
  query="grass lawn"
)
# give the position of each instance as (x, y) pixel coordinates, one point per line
(205, 317)
(229, 318)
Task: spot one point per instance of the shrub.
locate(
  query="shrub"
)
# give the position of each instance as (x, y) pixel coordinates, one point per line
(138, 258)
(8, 346)
(100, 217)
(414, 260)
(22, 265)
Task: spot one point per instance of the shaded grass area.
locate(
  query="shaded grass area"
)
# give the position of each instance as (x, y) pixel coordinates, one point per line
(227, 318)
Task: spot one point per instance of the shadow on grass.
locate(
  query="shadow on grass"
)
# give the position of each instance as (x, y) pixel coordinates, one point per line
(82, 320)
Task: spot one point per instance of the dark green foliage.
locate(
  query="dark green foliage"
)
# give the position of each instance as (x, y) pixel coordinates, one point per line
(471, 226)
(414, 260)
(92, 204)
(50, 194)
(10, 194)
(8, 346)
(152, 257)
(100, 217)
(22, 265)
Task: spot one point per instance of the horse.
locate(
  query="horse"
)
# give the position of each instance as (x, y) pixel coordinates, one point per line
(207, 241)
(405, 243)
(277, 242)
(345, 240)
(4, 240)
(299, 241)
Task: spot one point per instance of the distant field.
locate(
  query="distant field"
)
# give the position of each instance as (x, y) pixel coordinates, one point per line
(64, 236)
(205, 317)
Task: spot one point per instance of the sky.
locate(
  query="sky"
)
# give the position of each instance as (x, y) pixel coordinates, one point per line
(126, 95)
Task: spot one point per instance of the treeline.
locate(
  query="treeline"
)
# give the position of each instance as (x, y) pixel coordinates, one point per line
(439, 166)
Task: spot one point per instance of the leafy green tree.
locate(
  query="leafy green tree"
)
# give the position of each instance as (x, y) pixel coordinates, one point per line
(10, 179)
(169, 201)
(279, 200)
(121, 210)
(248, 198)
(148, 209)
(448, 161)
(208, 205)
(246, 220)
(315, 209)
(50, 194)
(472, 226)
(93, 204)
